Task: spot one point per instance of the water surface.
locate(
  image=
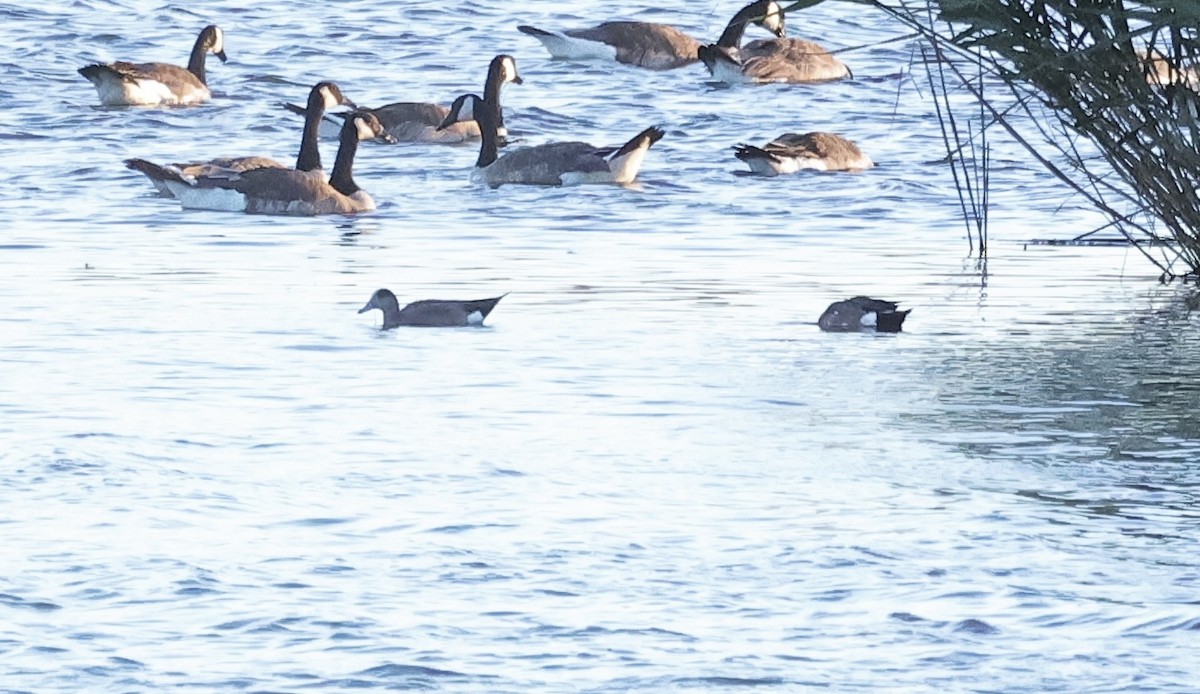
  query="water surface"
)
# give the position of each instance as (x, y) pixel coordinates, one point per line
(650, 472)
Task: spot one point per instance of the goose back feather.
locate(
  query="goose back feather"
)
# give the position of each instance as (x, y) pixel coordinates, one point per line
(792, 152)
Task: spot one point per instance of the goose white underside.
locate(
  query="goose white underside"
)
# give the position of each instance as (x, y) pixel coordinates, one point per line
(776, 166)
(217, 199)
(564, 47)
(622, 170)
(115, 91)
(474, 318)
(869, 319)
(730, 73)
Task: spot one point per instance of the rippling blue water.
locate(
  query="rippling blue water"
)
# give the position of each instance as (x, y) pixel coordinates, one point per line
(650, 472)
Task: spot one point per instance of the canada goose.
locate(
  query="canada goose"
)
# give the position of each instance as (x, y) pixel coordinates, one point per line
(792, 152)
(649, 45)
(273, 190)
(773, 60)
(418, 122)
(553, 164)
(1162, 71)
(430, 313)
(861, 312)
(322, 96)
(158, 84)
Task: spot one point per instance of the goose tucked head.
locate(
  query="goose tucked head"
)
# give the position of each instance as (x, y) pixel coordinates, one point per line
(214, 41)
(462, 110)
(382, 299)
(326, 95)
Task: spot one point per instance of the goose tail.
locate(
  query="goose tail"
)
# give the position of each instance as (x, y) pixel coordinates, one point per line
(748, 152)
(532, 31)
(298, 110)
(643, 140)
(712, 55)
(626, 161)
(156, 172)
(98, 74)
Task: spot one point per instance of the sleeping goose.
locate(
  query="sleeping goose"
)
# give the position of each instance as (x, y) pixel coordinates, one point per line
(272, 190)
(418, 122)
(322, 96)
(792, 152)
(773, 60)
(430, 313)
(557, 163)
(649, 45)
(158, 84)
(862, 313)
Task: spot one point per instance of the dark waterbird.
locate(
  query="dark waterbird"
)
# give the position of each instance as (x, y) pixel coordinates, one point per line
(862, 313)
(430, 313)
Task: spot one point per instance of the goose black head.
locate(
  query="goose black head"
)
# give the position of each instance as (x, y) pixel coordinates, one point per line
(773, 18)
(504, 69)
(214, 41)
(326, 95)
(366, 125)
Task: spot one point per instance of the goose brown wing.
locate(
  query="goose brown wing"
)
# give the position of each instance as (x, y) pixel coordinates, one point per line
(790, 60)
(176, 78)
(657, 46)
(275, 184)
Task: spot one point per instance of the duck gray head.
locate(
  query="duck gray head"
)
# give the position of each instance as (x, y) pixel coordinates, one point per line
(384, 300)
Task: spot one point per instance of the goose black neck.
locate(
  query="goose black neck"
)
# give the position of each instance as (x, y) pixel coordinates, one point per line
(489, 131)
(310, 153)
(342, 178)
(491, 91)
(732, 36)
(196, 61)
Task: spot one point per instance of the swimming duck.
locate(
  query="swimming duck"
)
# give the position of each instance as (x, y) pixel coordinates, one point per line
(430, 313)
(650, 45)
(272, 190)
(158, 84)
(553, 164)
(322, 96)
(792, 152)
(418, 122)
(862, 313)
